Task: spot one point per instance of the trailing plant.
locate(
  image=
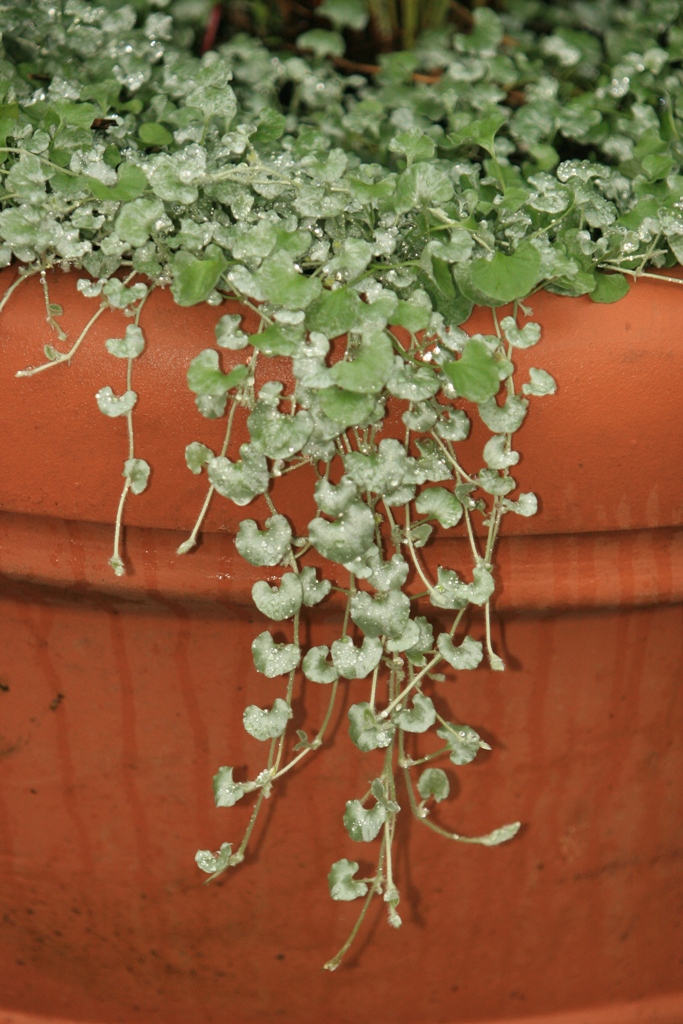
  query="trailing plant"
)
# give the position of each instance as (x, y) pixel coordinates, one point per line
(360, 219)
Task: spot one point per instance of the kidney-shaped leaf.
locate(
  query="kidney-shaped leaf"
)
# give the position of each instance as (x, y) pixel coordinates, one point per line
(273, 659)
(353, 662)
(468, 654)
(264, 547)
(347, 537)
(363, 825)
(267, 725)
(419, 718)
(341, 881)
(279, 603)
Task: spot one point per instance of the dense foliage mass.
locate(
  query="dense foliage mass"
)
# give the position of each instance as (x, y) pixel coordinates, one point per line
(540, 149)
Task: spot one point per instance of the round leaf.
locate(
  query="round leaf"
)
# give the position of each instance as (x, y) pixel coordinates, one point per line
(504, 278)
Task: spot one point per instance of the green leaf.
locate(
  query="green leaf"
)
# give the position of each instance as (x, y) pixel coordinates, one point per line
(154, 134)
(205, 378)
(450, 591)
(240, 481)
(504, 278)
(347, 537)
(411, 315)
(131, 183)
(228, 333)
(278, 604)
(271, 127)
(274, 659)
(313, 591)
(195, 279)
(79, 115)
(113, 405)
(497, 455)
(366, 730)
(137, 471)
(464, 743)
(475, 374)
(335, 312)
(486, 34)
(382, 471)
(363, 825)
(407, 640)
(480, 133)
(518, 337)
(120, 296)
(467, 655)
(226, 793)
(389, 575)
(345, 13)
(526, 505)
(279, 339)
(317, 668)
(264, 547)
(284, 284)
(385, 614)
(499, 835)
(541, 383)
(423, 184)
(267, 725)
(609, 287)
(491, 482)
(504, 419)
(214, 863)
(322, 43)
(128, 347)
(333, 499)
(341, 881)
(419, 718)
(440, 504)
(370, 367)
(414, 144)
(433, 782)
(277, 435)
(197, 455)
(412, 383)
(353, 662)
(447, 299)
(136, 220)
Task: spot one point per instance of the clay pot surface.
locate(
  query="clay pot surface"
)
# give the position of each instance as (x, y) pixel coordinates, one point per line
(119, 698)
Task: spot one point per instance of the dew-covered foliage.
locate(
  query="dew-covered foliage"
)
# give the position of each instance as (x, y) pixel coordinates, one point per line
(542, 149)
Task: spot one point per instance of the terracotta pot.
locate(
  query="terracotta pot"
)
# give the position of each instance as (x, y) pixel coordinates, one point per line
(120, 697)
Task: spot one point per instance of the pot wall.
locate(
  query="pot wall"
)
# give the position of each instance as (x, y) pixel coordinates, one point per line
(118, 699)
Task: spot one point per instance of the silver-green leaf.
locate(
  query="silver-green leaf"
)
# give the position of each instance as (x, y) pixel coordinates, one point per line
(267, 725)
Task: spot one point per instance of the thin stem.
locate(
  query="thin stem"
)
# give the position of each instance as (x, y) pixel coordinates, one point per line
(116, 562)
(64, 357)
(411, 686)
(14, 285)
(413, 554)
(334, 963)
(373, 690)
(317, 740)
(452, 459)
(641, 273)
(49, 317)
(191, 541)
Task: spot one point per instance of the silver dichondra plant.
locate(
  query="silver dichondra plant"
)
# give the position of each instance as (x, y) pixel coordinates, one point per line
(540, 150)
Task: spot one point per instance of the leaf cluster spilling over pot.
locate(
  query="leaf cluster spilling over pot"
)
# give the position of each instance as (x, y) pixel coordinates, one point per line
(361, 217)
